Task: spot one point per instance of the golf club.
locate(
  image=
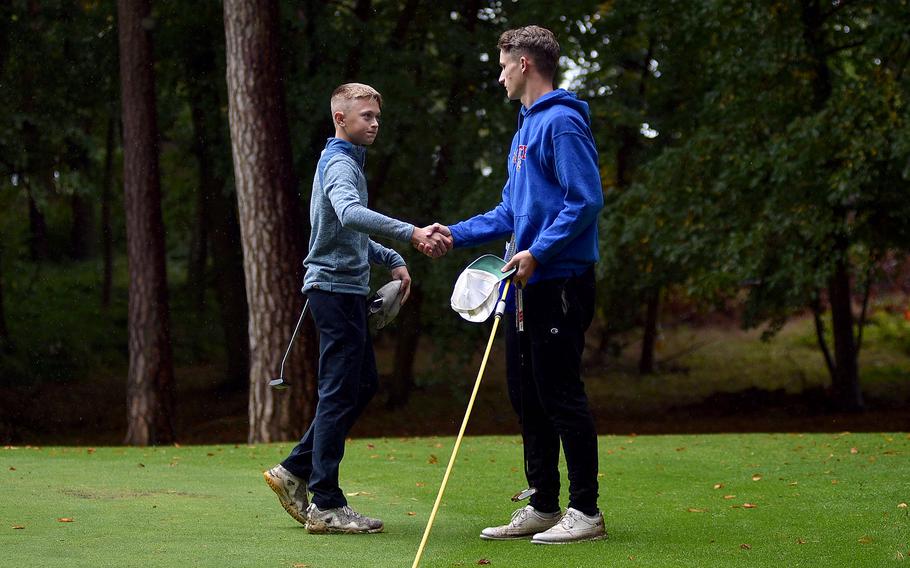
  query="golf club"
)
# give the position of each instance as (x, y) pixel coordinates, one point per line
(500, 309)
(280, 383)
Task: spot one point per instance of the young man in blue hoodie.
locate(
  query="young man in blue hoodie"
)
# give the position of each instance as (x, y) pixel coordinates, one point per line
(336, 284)
(550, 203)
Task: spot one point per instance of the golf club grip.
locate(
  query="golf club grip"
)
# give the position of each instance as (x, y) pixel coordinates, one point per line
(464, 425)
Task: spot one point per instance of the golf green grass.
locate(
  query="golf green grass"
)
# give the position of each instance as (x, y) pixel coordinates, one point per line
(780, 500)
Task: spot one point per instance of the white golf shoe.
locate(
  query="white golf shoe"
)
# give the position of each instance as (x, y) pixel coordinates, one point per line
(291, 491)
(574, 526)
(340, 520)
(525, 522)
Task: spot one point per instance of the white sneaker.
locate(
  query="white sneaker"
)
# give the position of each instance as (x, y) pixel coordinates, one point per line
(525, 522)
(291, 491)
(339, 520)
(574, 526)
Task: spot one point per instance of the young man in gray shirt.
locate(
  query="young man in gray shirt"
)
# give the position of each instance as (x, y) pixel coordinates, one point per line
(336, 284)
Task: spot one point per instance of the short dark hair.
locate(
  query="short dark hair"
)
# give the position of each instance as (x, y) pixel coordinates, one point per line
(538, 42)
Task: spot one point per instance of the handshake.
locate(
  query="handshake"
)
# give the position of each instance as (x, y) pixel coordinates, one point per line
(433, 240)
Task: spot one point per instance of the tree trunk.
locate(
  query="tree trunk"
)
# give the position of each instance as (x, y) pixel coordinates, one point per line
(646, 361)
(150, 387)
(401, 382)
(107, 233)
(199, 242)
(407, 345)
(5, 342)
(230, 290)
(845, 380)
(269, 213)
(81, 235)
(37, 243)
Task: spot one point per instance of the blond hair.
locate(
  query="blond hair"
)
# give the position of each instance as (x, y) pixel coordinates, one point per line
(345, 94)
(538, 42)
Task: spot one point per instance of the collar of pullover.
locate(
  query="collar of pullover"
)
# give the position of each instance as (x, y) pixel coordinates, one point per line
(358, 153)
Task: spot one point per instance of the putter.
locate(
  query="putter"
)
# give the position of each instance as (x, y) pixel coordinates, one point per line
(524, 494)
(280, 383)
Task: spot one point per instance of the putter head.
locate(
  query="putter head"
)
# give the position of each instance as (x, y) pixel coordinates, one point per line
(279, 384)
(524, 494)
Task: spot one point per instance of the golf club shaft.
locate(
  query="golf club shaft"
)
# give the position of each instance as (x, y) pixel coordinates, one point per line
(293, 337)
(464, 425)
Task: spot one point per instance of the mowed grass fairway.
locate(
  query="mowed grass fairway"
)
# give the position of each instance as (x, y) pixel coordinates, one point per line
(778, 500)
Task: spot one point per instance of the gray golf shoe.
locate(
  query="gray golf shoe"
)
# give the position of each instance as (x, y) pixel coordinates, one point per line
(291, 491)
(525, 522)
(574, 526)
(340, 520)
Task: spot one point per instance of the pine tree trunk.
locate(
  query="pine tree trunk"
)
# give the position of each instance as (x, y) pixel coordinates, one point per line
(401, 383)
(150, 386)
(5, 342)
(107, 233)
(269, 213)
(845, 384)
(648, 342)
(199, 242)
(38, 247)
(81, 235)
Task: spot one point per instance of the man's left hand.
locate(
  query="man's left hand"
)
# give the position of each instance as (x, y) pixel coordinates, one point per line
(526, 264)
(401, 273)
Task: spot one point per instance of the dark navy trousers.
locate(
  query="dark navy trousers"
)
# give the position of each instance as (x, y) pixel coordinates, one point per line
(543, 370)
(347, 381)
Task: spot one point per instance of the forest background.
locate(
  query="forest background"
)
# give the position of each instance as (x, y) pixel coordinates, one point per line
(155, 169)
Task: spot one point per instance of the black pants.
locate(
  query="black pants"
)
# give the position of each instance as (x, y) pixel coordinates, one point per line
(347, 381)
(543, 369)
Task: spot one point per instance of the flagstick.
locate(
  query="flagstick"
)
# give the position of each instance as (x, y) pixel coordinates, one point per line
(500, 308)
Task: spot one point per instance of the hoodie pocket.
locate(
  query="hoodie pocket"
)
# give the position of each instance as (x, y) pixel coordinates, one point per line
(525, 231)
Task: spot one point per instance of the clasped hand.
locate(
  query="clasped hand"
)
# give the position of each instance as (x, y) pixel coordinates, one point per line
(433, 240)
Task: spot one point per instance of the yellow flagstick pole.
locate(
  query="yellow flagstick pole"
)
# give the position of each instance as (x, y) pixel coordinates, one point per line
(464, 424)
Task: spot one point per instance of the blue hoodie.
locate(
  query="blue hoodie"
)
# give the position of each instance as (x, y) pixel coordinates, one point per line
(553, 195)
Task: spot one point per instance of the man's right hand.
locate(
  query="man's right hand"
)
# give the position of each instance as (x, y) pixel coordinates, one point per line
(433, 240)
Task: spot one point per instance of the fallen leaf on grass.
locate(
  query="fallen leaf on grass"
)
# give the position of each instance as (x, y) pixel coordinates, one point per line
(756, 477)
(420, 484)
(901, 505)
(865, 539)
(64, 520)
(12, 468)
(680, 449)
(718, 486)
(484, 561)
(371, 446)
(800, 541)
(18, 527)
(90, 450)
(301, 565)
(694, 510)
(834, 482)
(854, 451)
(745, 546)
(141, 465)
(749, 506)
(359, 494)
(433, 460)
(411, 513)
